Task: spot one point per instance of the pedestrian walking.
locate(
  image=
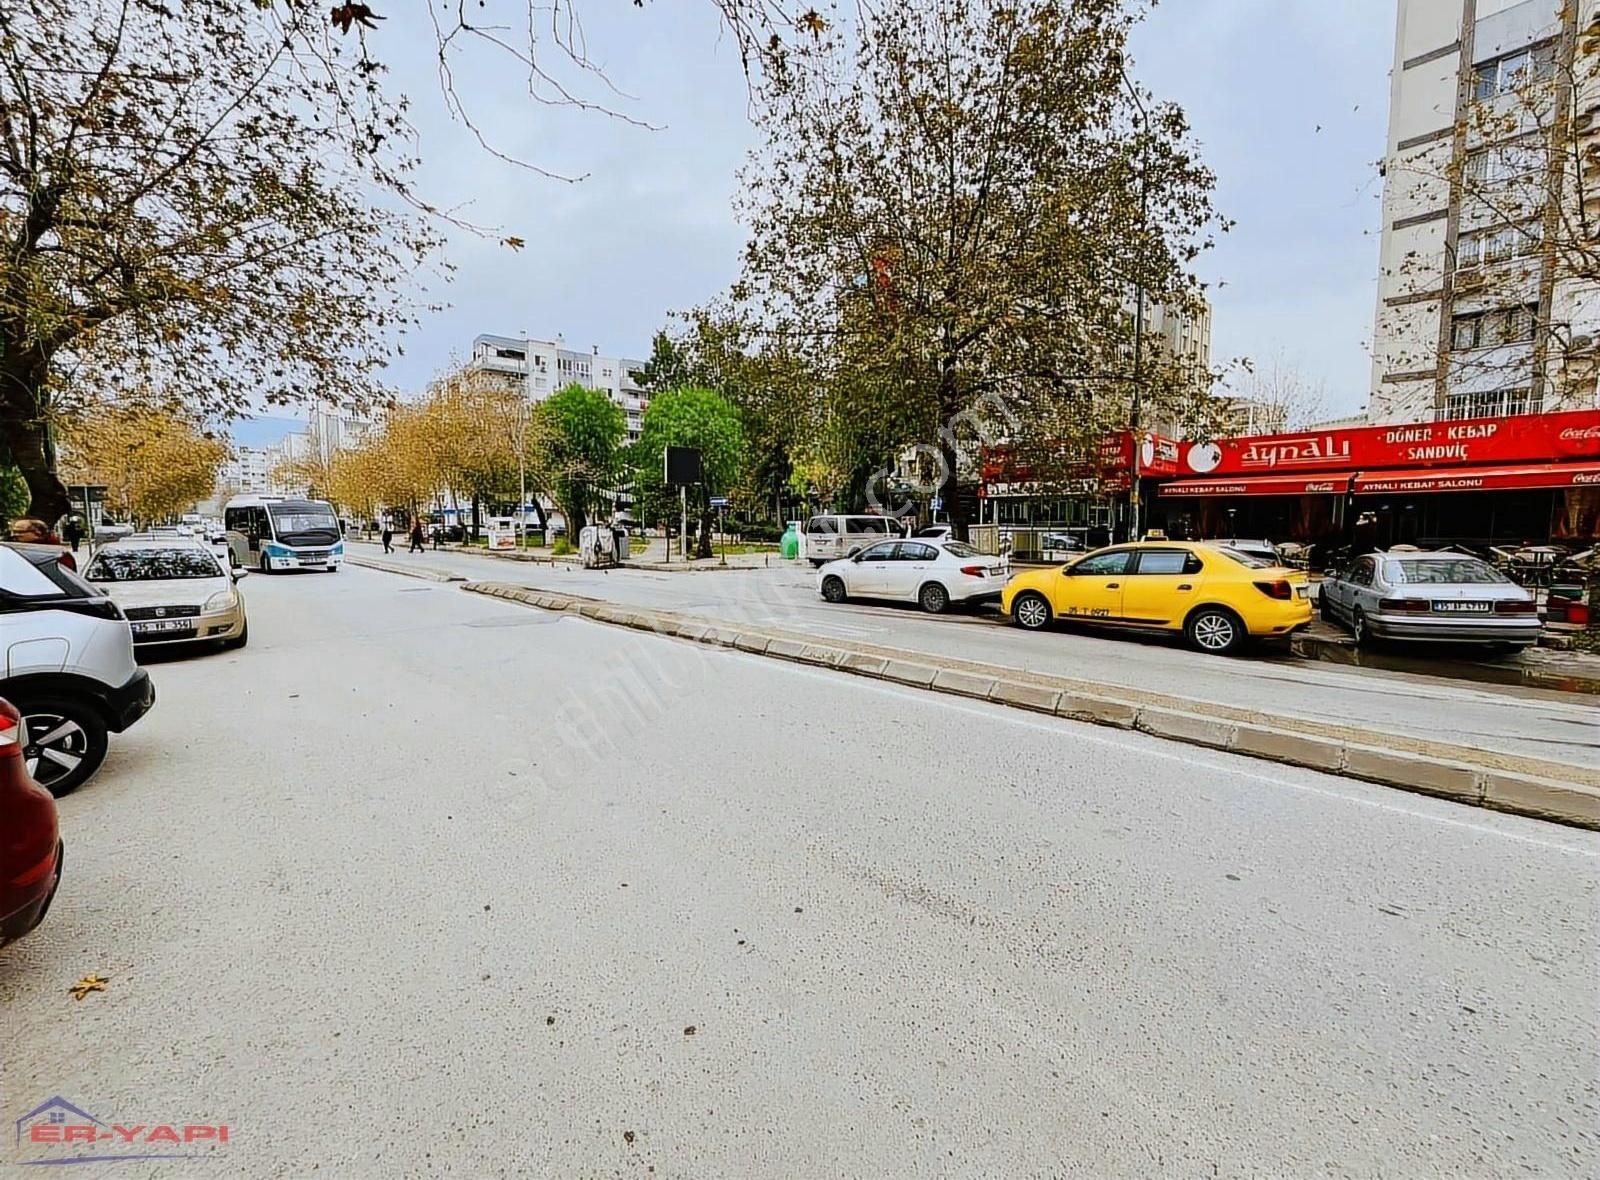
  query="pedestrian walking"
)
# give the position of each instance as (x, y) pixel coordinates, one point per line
(416, 538)
(388, 537)
(74, 532)
(437, 529)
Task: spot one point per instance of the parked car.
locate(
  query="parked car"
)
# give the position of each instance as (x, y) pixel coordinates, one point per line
(1256, 547)
(936, 532)
(833, 535)
(1065, 543)
(172, 591)
(1216, 596)
(30, 842)
(931, 573)
(1430, 597)
(110, 530)
(69, 666)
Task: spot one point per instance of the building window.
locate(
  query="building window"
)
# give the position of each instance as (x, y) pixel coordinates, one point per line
(1514, 70)
(1486, 329)
(1499, 243)
(1493, 403)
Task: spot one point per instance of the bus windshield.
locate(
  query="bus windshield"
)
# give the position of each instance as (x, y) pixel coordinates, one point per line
(304, 523)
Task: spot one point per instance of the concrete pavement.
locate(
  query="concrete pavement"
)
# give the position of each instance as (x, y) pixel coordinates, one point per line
(1519, 721)
(426, 884)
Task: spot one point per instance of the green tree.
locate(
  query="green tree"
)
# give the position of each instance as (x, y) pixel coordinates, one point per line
(578, 432)
(13, 494)
(699, 418)
(955, 202)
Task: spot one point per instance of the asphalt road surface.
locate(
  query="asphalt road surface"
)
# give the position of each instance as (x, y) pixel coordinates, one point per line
(423, 883)
(1560, 727)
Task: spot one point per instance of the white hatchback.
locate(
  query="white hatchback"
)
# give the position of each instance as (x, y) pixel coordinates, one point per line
(931, 573)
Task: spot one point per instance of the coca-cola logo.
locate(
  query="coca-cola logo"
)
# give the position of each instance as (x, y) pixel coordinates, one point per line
(1586, 477)
(1579, 433)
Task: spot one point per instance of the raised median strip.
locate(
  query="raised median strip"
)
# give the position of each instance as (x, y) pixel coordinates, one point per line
(401, 568)
(1526, 786)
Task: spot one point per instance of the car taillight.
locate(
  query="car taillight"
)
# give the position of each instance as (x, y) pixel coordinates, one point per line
(974, 571)
(1280, 589)
(1523, 606)
(1405, 606)
(69, 561)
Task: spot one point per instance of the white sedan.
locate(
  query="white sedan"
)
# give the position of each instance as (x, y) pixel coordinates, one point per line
(931, 573)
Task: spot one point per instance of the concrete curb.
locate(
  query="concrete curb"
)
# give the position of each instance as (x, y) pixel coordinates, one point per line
(1460, 780)
(412, 572)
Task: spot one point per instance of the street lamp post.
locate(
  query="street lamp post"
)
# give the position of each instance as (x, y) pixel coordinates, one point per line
(1134, 412)
(522, 472)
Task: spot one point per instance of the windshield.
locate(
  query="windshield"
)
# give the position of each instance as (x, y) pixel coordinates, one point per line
(1254, 561)
(152, 565)
(300, 520)
(961, 549)
(1442, 571)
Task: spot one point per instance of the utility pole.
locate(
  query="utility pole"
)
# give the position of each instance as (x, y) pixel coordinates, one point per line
(522, 471)
(1134, 412)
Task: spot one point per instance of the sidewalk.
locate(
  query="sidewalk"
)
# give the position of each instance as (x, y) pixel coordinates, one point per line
(648, 558)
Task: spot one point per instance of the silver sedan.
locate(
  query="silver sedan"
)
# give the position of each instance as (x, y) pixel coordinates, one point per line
(1430, 597)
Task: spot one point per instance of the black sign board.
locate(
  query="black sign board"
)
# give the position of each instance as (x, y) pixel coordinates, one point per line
(81, 493)
(681, 466)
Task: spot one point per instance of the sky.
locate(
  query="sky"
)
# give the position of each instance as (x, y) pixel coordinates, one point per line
(1287, 99)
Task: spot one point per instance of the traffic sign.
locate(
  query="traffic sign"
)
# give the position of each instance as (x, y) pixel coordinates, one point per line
(87, 492)
(936, 503)
(719, 501)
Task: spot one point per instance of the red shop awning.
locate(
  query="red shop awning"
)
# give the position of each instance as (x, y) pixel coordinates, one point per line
(1480, 479)
(1261, 485)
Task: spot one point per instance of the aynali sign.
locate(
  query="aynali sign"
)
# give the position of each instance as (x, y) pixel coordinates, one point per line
(1529, 438)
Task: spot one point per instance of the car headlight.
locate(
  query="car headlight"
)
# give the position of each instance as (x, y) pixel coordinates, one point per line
(221, 600)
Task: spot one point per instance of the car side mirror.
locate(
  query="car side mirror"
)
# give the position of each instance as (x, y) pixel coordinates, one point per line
(856, 557)
(238, 572)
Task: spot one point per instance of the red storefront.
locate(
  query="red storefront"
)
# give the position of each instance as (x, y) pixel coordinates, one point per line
(1094, 497)
(1488, 481)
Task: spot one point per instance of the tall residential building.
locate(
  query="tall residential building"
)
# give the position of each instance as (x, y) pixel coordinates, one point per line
(1487, 300)
(541, 367)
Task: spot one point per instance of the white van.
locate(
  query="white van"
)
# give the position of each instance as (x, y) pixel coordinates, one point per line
(837, 535)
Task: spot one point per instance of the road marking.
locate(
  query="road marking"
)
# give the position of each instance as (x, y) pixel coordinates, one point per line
(1189, 755)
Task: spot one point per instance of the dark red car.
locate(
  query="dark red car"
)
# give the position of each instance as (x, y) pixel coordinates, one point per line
(30, 842)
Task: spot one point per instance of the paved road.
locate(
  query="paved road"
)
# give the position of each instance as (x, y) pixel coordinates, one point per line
(1538, 723)
(423, 883)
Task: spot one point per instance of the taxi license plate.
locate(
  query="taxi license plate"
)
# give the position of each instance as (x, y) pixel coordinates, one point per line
(162, 625)
(1452, 607)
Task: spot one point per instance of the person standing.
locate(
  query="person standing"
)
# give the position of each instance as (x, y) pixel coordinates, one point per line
(416, 537)
(74, 532)
(388, 536)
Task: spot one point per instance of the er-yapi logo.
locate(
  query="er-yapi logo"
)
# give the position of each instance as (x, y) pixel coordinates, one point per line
(56, 1132)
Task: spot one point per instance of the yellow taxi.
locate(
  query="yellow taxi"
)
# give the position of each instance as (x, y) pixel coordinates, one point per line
(1216, 596)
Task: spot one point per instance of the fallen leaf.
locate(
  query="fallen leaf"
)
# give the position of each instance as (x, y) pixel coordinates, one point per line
(89, 983)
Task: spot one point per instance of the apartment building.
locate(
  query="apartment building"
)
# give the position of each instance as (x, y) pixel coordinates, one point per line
(541, 367)
(1488, 303)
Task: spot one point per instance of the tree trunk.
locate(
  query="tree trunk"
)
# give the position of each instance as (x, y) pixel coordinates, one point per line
(950, 491)
(703, 541)
(22, 429)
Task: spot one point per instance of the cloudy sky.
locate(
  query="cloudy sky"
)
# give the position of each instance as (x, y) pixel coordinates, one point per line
(1288, 99)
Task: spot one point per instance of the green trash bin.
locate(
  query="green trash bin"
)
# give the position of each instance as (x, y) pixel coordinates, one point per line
(789, 546)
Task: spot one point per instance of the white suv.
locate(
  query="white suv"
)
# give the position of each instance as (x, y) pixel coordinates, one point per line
(69, 666)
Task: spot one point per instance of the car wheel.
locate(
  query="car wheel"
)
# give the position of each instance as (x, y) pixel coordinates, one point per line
(1359, 628)
(833, 588)
(64, 742)
(816, 564)
(266, 564)
(1215, 631)
(933, 598)
(1031, 612)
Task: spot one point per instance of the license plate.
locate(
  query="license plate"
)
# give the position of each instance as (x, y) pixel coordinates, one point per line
(161, 625)
(1453, 607)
